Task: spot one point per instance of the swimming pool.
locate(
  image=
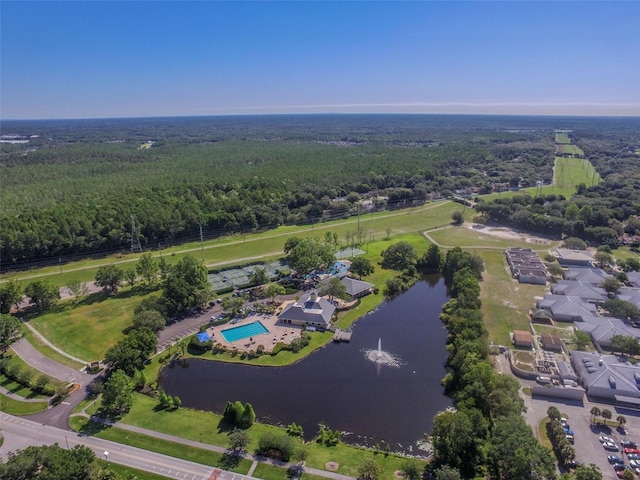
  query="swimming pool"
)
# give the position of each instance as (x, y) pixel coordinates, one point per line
(243, 331)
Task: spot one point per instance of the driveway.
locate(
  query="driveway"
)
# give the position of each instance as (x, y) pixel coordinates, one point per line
(56, 416)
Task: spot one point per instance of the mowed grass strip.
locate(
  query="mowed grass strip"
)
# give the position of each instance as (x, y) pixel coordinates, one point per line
(88, 330)
(16, 407)
(158, 445)
(505, 302)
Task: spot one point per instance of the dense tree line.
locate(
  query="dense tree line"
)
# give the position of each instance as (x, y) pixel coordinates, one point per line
(72, 191)
(486, 434)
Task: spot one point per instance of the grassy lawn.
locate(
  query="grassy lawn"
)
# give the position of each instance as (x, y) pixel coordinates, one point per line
(542, 431)
(25, 367)
(89, 329)
(562, 138)
(505, 302)
(47, 351)
(15, 407)
(172, 449)
(17, 389)
(205, 427)
(622, 253)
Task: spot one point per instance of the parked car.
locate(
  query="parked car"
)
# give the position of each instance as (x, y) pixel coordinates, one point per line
(634, 463)
(570, 439)
(628, 443)
(615, 459)
(610, 446)
(634, 456)
(631, 450)
(618, 467)
(568, 431)
(603, 439)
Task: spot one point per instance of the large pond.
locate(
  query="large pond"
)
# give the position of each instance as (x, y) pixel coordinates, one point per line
(377, 398)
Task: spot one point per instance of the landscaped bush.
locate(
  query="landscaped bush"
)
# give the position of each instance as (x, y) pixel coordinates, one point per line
(237, 414)
(276, 445)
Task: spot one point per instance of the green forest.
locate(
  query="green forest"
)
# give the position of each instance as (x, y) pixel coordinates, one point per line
(71, 188)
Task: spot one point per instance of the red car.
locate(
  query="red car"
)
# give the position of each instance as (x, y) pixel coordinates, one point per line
(629, 450)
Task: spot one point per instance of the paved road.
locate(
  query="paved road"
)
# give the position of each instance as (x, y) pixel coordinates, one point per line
(20, 433)
(45, 365)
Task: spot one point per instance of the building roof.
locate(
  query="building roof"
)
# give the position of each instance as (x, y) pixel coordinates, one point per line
(203, 337)
(541, 313)
(631, 295)
(586, 275)
(574, 255)
(567, 306)
(584, 290)
(549, 339)
(522, 336)
(309, 309)
(634, 279)
(355, 287)
(607, 375)
(602, 329)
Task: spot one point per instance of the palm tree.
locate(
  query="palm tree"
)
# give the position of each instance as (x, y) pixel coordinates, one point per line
(595, 412)
(606, 414)
(621, 420)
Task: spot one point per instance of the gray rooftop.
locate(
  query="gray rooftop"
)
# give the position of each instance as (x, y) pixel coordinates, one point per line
(606, 375)
(309, 309)
(586, 275)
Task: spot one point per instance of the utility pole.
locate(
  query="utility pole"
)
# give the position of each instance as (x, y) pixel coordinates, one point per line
(201, 242)
(135, 239)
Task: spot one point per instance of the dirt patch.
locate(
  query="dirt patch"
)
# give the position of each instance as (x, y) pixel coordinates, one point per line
(509, 234)
(331, 466)
(399, 474)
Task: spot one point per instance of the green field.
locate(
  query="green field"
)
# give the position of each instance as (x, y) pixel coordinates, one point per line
(88, 330)
(505, 302)
(468, 238)
(562, 138)
(15, 407)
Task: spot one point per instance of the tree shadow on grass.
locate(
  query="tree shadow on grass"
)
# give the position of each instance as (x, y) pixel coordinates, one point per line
(226, 426)
(92, 428)
(230, 460)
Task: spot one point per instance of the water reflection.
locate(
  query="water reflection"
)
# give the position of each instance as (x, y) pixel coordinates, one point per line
(338, 385)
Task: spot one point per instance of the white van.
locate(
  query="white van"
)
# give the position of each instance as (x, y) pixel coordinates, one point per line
(543, 380)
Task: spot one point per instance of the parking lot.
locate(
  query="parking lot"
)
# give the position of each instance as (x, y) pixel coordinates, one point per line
(587, 446)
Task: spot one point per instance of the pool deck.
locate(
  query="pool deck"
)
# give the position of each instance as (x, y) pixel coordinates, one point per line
(278, 333)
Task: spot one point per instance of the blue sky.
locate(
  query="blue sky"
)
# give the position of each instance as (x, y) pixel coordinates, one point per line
(123, 59)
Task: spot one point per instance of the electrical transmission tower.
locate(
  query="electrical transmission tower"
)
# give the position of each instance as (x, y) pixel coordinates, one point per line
(135, 239)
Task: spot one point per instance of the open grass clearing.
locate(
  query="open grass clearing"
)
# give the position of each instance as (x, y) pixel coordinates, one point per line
(86, 331)
(562, 138)
(15, 407)
(505, 302)
(623, 253)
